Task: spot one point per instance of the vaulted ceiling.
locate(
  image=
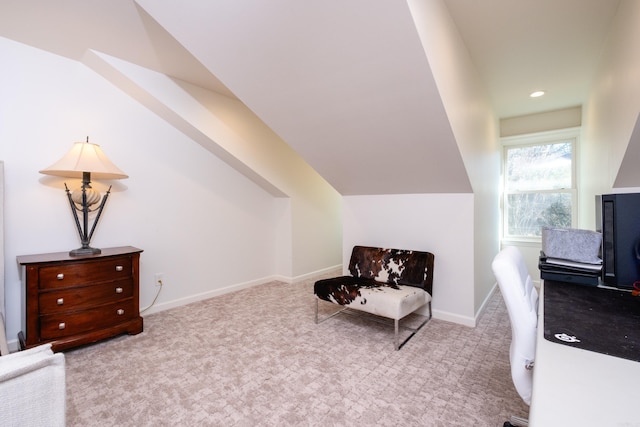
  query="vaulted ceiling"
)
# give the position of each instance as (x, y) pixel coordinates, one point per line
(347, 84)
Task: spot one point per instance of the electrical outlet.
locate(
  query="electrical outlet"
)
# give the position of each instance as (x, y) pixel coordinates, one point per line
(159, 279)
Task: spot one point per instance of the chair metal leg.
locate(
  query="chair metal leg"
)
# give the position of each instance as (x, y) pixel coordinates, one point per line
(396, 323)
(328, 317)
(518, 421)
(413, 331)
(395, 338)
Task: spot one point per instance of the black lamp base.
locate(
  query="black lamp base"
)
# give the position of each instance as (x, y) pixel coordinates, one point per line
(83, 229)
(85, 251)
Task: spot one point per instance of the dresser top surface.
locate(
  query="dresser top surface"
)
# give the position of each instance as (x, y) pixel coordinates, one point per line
(64, 256)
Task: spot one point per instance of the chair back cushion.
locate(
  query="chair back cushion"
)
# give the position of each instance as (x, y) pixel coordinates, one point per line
(393, 266)
(521, 299)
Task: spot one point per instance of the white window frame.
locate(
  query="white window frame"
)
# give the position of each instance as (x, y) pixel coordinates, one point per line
(532, 139)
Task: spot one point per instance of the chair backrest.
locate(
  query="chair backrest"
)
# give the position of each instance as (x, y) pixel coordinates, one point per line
(521, 299)
(393, 266)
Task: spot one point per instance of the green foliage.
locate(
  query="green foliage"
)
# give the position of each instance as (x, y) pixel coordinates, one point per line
(558, 214)
(538, 187)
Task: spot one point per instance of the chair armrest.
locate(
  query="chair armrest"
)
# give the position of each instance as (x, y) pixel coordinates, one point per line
(32, 388)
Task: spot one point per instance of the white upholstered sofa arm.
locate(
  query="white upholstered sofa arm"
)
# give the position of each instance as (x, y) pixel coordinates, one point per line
(32, 388)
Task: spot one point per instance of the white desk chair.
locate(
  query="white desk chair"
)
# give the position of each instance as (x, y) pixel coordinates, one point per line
(521, 299)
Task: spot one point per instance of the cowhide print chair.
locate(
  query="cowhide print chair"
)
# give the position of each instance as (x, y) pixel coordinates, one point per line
(390, 283)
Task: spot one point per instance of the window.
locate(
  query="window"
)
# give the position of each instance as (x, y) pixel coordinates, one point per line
(539, 184)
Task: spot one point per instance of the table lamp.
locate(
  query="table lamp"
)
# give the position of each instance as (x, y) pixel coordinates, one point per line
(85, 160)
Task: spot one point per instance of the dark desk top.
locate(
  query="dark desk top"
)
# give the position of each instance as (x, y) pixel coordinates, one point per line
(592, 318)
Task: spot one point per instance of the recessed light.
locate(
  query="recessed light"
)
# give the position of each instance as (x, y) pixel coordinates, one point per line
(536, 94)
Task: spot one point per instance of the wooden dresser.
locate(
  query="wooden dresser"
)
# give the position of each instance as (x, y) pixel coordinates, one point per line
(71, 301)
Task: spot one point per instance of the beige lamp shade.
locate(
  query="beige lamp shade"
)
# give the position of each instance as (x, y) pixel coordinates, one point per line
(85, 157)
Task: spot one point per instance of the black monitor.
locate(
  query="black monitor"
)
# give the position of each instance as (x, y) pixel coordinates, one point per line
(618, 219)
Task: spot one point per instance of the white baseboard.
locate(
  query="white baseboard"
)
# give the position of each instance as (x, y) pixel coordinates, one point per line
(239, 286)
(447, 316)
(336, 270)
(14, 345)
(483, 307)
(209, 294)
(454, 318)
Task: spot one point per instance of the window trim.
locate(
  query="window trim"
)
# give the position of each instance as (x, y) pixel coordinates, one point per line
(531, 139)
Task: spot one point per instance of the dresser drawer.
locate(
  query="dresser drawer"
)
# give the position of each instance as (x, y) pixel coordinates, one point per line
(54, 326)
(73, 300)
(80, 273)
(80, 298)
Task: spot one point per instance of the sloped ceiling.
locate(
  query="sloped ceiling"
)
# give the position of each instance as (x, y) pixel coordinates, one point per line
(628, 173)
(528, 45)
(345, 83)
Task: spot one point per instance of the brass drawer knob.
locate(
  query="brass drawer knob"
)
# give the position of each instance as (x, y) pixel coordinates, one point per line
(120, 312)
(60, 276)
(60, 301)
(119, 268)
(62, 325)
(118, 290)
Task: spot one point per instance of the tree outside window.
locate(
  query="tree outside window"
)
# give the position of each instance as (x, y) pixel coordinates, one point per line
(539, 187)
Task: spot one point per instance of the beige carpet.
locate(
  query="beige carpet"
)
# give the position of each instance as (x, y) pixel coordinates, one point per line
(256, 358)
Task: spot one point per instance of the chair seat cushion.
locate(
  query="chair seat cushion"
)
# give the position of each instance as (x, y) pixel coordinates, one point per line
(382, 299)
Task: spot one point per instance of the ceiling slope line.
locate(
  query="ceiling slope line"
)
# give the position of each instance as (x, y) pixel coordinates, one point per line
(160, 94)
(627, 175)
(351, 92)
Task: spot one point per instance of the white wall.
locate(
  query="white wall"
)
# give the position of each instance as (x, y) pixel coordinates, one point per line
(608, 120)
(231, 131)
(437, 223)
(200, 222)
(611, 111)
(546, 121)
(475, 127)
